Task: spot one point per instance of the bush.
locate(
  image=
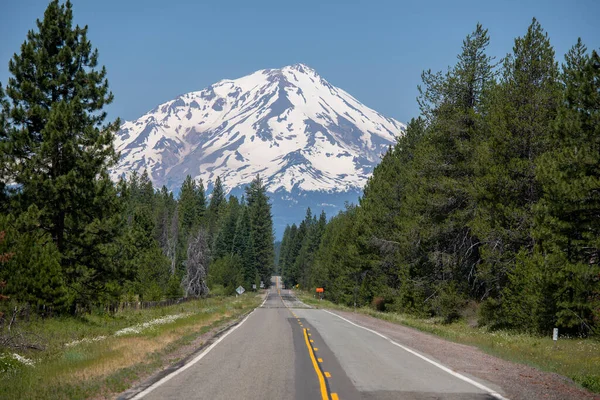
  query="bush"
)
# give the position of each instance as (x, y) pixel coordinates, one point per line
(218, 290)
(448, 303)
(9, 365)
(591, 382)
(489, 312)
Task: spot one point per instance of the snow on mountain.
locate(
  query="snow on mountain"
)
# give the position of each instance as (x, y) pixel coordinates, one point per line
(290, 125)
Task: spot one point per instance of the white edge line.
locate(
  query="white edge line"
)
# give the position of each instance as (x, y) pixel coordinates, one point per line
(188, 365)
(440, 366)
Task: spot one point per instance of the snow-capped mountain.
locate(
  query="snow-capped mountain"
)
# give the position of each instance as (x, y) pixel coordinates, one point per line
(290, 125)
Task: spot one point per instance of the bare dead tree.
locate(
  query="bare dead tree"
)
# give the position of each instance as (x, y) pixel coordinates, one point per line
(198, 256)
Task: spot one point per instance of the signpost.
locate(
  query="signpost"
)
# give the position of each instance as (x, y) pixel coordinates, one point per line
(240, 290)
(262, 285)
(320, 291)
(254, 286)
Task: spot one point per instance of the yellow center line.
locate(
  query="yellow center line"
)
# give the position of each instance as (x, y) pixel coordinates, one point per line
(322, 384)
(317, 369)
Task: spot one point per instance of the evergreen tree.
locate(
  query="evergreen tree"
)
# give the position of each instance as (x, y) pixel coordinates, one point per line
(201, 202)
(243, 244)
(261, 229)
(283, 248)
(164, 204)
(523, 108)
(567, 217)
(58, 149)
(444, 203)
(216, 207)
(142, 258)
(289, 254)
(30, 263)
(226, 236)
(188, 207)
(146, 195)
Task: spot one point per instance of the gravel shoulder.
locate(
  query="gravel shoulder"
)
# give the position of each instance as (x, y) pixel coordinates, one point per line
(518, 381)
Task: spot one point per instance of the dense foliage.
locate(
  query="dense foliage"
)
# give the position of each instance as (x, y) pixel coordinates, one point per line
(492, 196)
(75, 238)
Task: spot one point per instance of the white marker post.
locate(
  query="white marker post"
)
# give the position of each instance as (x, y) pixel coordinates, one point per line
(555, 336)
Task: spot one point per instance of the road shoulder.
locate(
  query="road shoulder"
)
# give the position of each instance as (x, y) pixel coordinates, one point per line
(517, 381)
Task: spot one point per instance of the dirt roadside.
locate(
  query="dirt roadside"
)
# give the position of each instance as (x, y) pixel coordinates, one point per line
(516, 380)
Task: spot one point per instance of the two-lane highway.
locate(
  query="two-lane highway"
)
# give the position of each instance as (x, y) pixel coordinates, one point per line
(285, 350)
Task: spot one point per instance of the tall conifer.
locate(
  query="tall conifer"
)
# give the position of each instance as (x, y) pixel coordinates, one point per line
(58, 148)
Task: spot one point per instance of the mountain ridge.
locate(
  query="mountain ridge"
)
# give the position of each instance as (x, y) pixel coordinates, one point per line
(290, 125)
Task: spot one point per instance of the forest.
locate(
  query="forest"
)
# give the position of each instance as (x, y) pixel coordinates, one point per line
(71, 239)
(491, 198)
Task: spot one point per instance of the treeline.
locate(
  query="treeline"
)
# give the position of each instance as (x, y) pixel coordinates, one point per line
(70, 238)
(298, 247)
(491, 196)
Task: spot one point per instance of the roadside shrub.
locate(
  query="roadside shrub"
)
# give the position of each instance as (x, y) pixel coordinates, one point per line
(218, 290)
(489, 312)
(591, 382)
(448, 303)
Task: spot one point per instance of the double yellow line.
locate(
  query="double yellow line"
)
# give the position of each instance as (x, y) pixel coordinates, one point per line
(311, 353)
(322, 385)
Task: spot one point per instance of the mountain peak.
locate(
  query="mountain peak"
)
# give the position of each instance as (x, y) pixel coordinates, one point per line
(302, 68)
(288, 124)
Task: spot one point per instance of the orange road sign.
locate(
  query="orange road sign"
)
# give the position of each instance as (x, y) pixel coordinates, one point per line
(319, 290)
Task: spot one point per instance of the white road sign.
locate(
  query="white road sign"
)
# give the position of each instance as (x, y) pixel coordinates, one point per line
(240, 290)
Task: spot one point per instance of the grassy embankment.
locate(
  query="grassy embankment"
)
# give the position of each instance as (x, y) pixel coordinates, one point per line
(106, 361)
(578, 359)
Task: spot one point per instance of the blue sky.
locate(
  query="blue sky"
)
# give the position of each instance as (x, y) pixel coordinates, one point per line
(375, 50)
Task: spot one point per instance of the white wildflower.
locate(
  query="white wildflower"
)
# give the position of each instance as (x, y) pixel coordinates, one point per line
(23, 360)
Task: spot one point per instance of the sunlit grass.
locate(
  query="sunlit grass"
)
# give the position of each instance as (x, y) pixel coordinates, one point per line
(576, 358)
(106, 366)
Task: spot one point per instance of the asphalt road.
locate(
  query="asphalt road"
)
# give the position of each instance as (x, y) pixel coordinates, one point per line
(285, 350)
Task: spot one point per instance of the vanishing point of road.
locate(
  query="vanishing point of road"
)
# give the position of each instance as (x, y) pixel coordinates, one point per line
(287, 350)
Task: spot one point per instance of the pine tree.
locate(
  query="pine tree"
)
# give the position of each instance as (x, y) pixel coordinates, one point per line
(261, 228)
(188, 207)
(201, 202)
(443, 201)
(226, 235)
(30, 263)
(567, 218)
(283, 248)
(522, 110)
(243, 244)
(58, 149)
(216, 208)
(146, 191)
(289, 255)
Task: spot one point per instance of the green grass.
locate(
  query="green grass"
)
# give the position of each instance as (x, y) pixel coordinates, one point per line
(103, 368)
(578, 359)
